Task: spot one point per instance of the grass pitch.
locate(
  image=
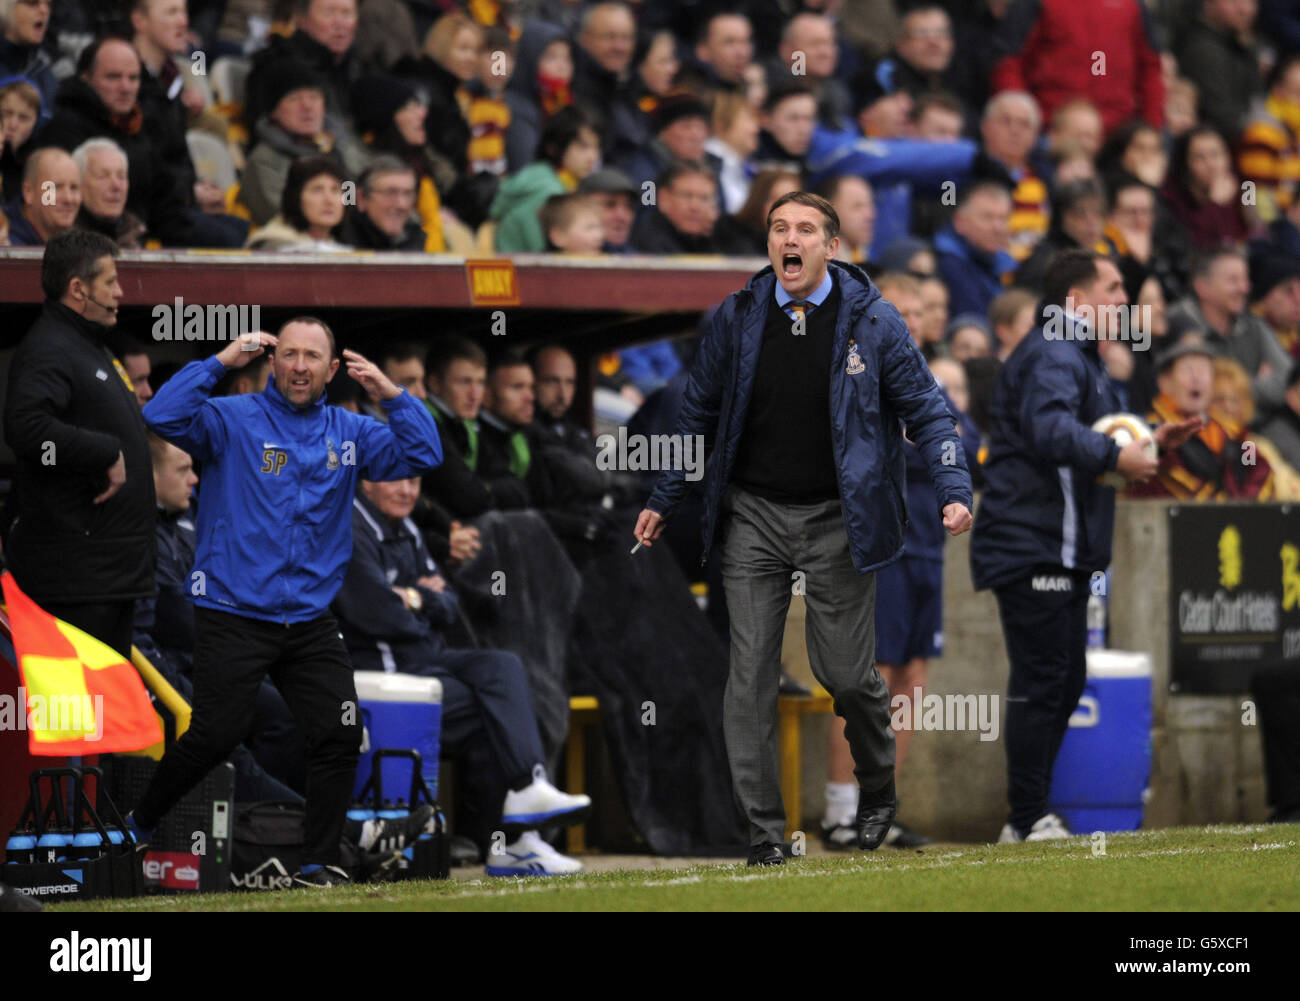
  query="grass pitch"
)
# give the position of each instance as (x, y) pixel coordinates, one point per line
(1222, 868)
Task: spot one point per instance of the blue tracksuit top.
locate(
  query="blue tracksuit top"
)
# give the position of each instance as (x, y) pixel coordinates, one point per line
(275, 521)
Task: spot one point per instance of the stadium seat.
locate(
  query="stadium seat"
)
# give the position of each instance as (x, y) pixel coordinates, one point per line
(229, 74)
(211, 157)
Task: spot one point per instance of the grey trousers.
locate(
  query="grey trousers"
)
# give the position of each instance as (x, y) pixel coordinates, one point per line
(764, 546)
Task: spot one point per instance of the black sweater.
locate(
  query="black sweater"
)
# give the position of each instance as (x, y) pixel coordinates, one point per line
(786, 453)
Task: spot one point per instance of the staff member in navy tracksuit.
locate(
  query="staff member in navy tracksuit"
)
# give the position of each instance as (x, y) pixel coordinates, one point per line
(809, 377)
(280, 469)
(393, 608)
(1045, 523)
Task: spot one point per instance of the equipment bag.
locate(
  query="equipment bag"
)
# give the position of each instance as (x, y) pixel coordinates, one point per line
(268, 846)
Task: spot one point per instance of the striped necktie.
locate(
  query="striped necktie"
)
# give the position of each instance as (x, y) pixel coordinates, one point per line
(799, 307)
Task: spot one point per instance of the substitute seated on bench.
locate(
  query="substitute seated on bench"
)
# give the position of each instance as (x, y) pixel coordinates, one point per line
(393, 608)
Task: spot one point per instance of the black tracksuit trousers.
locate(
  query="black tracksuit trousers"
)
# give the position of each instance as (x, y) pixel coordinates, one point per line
(309, 665)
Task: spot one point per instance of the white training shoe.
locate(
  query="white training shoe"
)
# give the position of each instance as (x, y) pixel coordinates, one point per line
(540, 803)
(1048, 827)
(530, 856)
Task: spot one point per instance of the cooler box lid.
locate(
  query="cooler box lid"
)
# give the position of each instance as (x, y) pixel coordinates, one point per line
(379, 686)
(1118, 664)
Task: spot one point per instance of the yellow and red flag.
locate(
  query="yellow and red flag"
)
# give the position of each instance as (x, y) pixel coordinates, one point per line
(82, 696)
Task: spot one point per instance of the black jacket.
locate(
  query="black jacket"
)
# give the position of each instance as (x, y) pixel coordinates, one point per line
(68, 414)
(652, 233)
(1226, 73)
(448, 131)
(166, 122)
(359, 231)
(772, 153)
(128, 232)
(466, 492)
(595, 91)
(154, 194)
(380, 632)
(529, 490)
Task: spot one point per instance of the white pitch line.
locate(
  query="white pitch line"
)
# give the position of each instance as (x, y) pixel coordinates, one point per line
(873, 863)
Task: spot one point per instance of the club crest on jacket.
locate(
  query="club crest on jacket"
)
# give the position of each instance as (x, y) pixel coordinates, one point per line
(854, 365)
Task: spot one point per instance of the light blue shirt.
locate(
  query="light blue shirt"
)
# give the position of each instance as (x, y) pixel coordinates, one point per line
(815, 298)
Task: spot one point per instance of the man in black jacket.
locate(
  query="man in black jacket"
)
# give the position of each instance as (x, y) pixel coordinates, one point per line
(161, 35)
(602, 60)
(583, 499)
(388, 191)
(684, 218)
(81, 543)
(456, 378)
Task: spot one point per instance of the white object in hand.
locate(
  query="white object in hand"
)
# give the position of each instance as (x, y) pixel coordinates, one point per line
(1124, 428)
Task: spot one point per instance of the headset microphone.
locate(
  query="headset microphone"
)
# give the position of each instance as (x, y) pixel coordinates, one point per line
(111, 309)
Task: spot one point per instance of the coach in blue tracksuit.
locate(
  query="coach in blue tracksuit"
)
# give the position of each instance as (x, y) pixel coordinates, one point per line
(280, 469)
(1044, 524)
(809, 377)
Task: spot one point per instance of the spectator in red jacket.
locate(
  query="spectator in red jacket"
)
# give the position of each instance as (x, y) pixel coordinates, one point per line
(1063, 49)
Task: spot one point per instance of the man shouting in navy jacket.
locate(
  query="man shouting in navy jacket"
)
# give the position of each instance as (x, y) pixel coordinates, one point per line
(810, 379)
(280, 469)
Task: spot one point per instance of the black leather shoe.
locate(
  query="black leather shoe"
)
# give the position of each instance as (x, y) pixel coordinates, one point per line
(875, 814)
(902, 836)
(766, 854)
(788, 686)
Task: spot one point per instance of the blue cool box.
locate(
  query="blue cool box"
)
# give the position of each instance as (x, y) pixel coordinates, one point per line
(1104, 766)
(400, 711)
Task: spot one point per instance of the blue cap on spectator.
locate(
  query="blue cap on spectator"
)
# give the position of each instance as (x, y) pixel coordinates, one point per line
(968, 320)
(898, 253)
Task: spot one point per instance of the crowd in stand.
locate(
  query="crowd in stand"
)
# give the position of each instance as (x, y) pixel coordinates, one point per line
(962, 142)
